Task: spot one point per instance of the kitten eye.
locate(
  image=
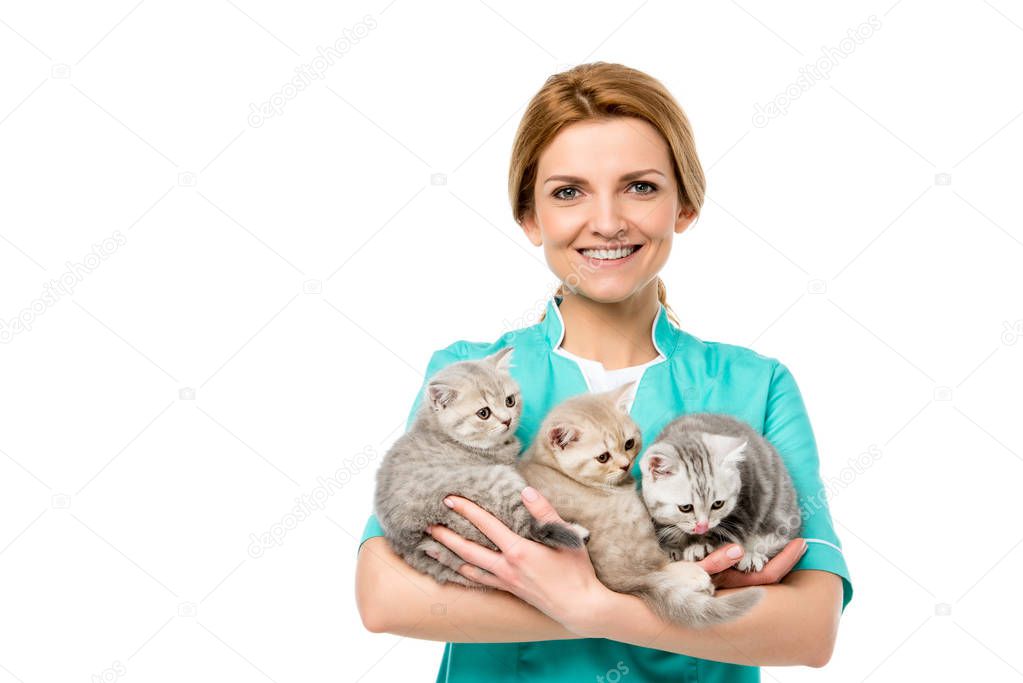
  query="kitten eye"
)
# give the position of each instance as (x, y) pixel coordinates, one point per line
(510, 401)
(483, 413)
(629, 444)
(604, 457)
(685, 508)
(717, 504)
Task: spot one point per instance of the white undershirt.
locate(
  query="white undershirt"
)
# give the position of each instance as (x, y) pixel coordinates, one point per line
(599, 379)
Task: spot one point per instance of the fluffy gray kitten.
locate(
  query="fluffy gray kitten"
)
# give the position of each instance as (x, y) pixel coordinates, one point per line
(462, 442)
(710, 480)
(580, 462)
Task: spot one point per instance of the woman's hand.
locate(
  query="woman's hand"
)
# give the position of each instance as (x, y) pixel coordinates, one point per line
(718, 564)
(559, 582)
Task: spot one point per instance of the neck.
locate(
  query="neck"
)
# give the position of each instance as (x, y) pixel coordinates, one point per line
(616, 334)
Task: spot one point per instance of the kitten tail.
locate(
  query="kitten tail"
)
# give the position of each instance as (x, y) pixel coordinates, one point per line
(555, 535)
(676, 594)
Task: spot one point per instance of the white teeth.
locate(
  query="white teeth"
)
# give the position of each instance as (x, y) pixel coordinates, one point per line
(608, 254)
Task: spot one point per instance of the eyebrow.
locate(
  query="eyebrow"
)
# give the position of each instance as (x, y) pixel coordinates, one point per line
(627, 176)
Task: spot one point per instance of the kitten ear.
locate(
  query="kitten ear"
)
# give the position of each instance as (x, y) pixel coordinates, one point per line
(660, 465)
(501, 359)
(562, 435)
(440, 395)
(620, 395)
(727, 451)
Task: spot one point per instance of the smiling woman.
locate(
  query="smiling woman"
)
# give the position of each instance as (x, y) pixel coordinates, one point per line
(604, 174)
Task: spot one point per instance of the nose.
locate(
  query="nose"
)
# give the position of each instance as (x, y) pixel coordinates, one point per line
(607, 221)
(507, 423)
(701, 527)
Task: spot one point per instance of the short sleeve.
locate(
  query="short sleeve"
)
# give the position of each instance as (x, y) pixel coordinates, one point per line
(787, 428)
(438, 360)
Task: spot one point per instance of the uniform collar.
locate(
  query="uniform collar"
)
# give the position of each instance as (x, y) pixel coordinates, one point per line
(664, 333)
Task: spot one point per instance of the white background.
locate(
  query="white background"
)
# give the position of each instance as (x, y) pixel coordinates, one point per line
(297, 275)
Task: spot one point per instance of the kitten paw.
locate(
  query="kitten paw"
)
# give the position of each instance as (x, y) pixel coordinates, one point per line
(675, 554)
(442, 554)
(696, 552)
(751, 561)
(692, 577)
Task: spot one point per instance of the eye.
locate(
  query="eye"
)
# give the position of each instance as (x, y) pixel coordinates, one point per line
(483, 413)
(629, 444)
(717, 504)
(604, 457)
(653, 188)
(557, 193)
(685, 508)
(510, 401)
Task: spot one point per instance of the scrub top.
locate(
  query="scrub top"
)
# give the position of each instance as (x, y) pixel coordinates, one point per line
(693, 376)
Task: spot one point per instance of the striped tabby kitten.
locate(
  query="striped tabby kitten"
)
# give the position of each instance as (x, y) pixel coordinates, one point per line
(580, 462)
(710, 480)
(462, 442)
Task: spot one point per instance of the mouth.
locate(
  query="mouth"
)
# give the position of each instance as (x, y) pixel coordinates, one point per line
(615, 256)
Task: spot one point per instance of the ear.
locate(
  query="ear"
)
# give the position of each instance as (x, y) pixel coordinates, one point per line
(561, 436)
(501, 359)
(727, 451)
(660, 465)
(531, 228)
(686, 216)
(620, 395)
(440, 395)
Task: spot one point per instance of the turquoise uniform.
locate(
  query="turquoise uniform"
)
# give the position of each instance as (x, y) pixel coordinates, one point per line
(694, 376)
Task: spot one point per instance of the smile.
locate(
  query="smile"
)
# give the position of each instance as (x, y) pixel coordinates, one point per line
(610, 254)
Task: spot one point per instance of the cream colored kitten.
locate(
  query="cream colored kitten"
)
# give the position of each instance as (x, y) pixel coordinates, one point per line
(580, 462)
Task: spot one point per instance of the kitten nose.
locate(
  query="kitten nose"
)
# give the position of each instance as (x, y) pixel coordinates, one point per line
(507, 423)
(701, 527)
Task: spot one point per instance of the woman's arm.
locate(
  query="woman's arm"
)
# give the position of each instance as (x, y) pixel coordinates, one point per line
(395, 598)
(796, 623)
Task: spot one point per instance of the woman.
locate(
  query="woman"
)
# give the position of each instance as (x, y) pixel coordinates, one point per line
(604, 174)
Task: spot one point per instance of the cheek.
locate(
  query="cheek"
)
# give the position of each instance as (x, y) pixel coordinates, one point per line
(665, 514)
(468, 428)
(559, 259)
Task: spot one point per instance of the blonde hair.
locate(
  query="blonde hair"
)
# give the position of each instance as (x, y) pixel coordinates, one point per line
(601, 91)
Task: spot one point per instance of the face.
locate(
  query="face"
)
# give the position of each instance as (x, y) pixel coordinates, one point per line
(477, 404)
(694, 505)
(606, 207)
(592, 455)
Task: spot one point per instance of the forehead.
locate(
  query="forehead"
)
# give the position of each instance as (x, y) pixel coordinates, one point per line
(485, 381)
(605, 150)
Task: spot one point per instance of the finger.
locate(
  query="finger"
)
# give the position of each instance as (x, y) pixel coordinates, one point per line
(474, 573)
(721, 559)
(774, 571)
(540, 507)
(731, 578)
(489, 525)
(470, 551)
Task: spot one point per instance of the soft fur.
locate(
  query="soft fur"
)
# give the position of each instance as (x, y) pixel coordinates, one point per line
(452, 449)
(706, 458)
(564, 464)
